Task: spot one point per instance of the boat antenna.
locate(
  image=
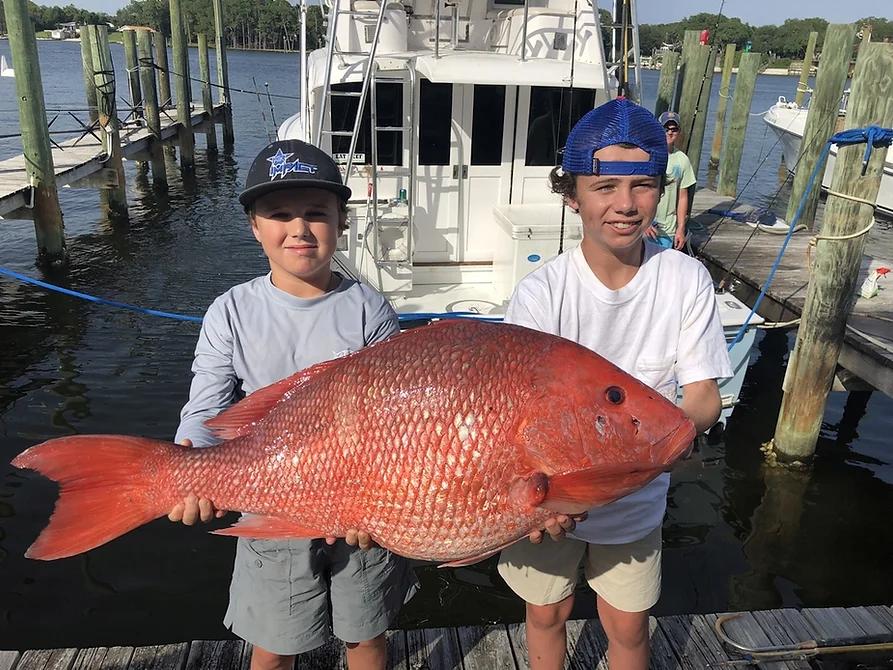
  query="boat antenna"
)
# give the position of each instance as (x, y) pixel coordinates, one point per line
(623, 67)
(570, 117)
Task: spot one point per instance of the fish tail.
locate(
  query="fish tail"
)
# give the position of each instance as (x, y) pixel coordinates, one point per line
(101, 492)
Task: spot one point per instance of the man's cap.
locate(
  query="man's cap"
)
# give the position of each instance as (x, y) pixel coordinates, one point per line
(668, 117)
(616, 122)
(292, 164)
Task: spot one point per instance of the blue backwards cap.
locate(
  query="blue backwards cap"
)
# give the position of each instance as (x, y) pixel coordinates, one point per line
(616, 122)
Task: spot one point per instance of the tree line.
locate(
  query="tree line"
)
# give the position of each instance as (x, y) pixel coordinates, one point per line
(275, 24)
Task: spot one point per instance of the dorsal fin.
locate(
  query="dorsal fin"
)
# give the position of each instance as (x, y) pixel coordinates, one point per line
(237, 420)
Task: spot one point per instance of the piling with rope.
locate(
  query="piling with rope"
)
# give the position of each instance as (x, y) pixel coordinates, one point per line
(182, 87)
(150, 104)
(730, 160)
(45, 209)
(724, 87)
(802, 85)
(207, 101)
(695, 100)
(223, 75)
(133, 72)
(164, 80)
(839, 251)
(115, 192)
(823, 109)
(89, 84)
(666, 86)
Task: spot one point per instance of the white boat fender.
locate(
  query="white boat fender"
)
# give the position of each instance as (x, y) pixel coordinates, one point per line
(869, 286)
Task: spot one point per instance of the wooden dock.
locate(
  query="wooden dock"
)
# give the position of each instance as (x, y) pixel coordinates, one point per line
(80, 161)
(867, 354)
(684, 641)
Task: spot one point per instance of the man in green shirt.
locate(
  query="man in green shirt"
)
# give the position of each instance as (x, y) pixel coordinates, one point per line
(672, 211)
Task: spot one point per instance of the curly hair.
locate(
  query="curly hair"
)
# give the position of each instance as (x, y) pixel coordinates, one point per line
(343, 220)
(565, 183)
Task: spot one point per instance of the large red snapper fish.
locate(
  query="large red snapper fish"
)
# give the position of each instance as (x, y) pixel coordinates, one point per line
(445, 443)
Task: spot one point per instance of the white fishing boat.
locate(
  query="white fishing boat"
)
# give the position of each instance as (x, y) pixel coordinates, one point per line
(788, 121)
(5, 69)
(447, 116)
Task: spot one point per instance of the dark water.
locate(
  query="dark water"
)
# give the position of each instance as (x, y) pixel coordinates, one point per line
(738, 536)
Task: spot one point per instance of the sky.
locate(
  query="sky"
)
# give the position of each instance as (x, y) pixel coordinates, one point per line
(754, 12)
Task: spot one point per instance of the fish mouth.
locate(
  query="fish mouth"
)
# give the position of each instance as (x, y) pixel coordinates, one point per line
(674, 444)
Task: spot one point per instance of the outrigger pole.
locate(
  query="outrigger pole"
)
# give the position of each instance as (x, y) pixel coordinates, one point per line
(805, 649)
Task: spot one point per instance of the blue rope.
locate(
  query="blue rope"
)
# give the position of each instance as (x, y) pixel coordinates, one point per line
(411, 316)
(93, 298)
(875, 137)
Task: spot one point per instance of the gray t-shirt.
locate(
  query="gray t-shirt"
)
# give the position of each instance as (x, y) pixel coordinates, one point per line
(256, 334)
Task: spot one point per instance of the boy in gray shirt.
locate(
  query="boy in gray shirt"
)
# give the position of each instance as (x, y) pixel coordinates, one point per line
(287, 596)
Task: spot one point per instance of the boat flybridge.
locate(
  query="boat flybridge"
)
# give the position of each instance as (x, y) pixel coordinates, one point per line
(447, 117)
(465, 105)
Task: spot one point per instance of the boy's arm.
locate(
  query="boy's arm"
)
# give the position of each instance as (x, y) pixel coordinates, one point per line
(381, 321)
(702, 403)
(681, 218)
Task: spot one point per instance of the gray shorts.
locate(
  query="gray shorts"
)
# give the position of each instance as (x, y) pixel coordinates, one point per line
(289, 596)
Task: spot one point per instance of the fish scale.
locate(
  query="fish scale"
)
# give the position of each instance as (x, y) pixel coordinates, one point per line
(445, 443)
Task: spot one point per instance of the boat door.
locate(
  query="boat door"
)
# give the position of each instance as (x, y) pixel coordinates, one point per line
(545, 116)
(464, 169)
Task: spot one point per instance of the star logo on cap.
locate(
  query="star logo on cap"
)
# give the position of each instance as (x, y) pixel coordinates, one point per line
(280, 165)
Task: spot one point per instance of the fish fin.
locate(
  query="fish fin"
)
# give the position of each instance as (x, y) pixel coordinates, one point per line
(237, 420)
(577, 491)
(261, 527)
(99, 496)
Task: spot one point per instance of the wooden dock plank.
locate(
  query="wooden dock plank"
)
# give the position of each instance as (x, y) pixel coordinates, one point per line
(434, 649)
(868, 622)
(486, 647)
(518, 638)
(779, 634)
(662, 656)
(330, 656)
(222, 654)
(47, 659)
(832, 623)
(159, 656)
(103, 658)
(9, 659)
(398, 657)
(748, 631)
(685, 643)
(587, 645)
(882, 614)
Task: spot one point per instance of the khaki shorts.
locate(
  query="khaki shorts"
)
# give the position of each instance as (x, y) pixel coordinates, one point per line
(626, 576)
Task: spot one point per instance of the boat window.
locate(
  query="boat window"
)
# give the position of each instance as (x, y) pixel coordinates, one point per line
(435, 109)
(487, 124)
(553, 112)
(389, 108)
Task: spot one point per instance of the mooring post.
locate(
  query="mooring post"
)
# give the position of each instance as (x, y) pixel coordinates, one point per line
(690, 42)
(728, 64)
(223, 75)
(133, 72)
(182, 84)
(48, 227)
(207, 101)
(730, 161)
(666, 86)
(164, 74)
(694, 103)
(104, 76)
(803, 84)
(837, 261)
(89, 84)
(823, 109)
(150, 105)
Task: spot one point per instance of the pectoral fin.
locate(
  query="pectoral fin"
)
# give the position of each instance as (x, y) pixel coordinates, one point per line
(270, 528)
(577, 491)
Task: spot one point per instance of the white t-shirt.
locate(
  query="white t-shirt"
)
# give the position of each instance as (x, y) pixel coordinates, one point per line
(663, 328)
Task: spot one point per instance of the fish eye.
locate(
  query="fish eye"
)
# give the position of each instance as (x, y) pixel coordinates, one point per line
(615, 395)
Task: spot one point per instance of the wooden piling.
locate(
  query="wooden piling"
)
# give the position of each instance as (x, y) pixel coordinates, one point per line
(207, 100)
(690, 43)
(724, 94)
(802, 85)
(150, 105)
(133, 72)
(223, 75)
(823, 109)
(730, 161)
(182, 85)
(164, 79)
(837, 261)
(666, 86)
(47, 213)
(104, 76)
(89, 84)
(695, 100)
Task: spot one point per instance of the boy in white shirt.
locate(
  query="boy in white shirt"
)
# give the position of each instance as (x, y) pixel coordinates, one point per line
(652, 312)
